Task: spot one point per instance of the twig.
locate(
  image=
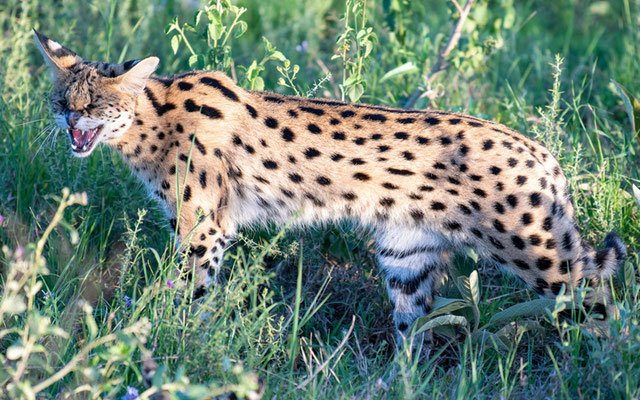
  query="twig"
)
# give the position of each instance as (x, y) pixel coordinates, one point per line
(451, 44)
(326, 362)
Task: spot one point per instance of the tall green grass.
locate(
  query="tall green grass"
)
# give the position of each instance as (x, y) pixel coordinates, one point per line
(91, 302)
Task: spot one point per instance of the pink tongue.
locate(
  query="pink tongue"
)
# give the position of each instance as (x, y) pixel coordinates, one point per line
(79, 138)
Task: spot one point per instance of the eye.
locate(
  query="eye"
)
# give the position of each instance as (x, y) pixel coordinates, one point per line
(62, 104)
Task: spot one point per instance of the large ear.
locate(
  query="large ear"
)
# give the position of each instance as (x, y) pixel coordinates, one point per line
(58, 58)
(135, 79)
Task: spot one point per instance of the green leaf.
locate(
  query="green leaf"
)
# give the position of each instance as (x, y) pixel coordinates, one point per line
(465, 289)
(442, 305)
(474, 286)
(636, 194)
(356, 92)
(175, 42)
(629, 274)
(258, 84)
(632, 105)
(485, 336)
(242, 29)
(404, 69)
(15, 352)
(527, 309)
(423, 324)
(277, 55)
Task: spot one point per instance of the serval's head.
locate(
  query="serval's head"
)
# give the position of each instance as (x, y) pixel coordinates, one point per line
(92, 101)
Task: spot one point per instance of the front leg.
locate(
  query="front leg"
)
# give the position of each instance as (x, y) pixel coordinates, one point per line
(204, 226)
(208, 242)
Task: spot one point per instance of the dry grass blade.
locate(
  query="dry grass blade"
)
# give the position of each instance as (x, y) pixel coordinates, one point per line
(335, 352)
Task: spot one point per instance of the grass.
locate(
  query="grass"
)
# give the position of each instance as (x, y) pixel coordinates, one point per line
(86, 310)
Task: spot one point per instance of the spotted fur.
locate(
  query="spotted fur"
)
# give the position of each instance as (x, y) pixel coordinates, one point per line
(426, 182)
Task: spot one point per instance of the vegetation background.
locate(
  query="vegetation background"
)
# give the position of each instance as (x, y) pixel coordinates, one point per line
(89, 301)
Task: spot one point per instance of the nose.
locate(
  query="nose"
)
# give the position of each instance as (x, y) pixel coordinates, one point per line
(72, 118)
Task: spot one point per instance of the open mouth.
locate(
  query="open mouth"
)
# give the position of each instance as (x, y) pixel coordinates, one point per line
(83, 141)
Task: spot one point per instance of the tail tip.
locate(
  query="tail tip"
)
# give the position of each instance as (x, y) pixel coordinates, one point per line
(613, 241)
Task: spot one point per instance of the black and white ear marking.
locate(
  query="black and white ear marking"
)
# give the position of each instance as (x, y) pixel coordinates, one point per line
(58, 58)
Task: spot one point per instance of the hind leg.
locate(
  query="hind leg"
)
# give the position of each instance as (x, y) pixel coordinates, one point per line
(413, 261)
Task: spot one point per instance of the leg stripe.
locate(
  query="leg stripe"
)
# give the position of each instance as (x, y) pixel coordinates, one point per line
(410, 286)
(406, 253)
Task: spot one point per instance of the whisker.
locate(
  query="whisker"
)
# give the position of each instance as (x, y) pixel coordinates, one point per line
(44, 141)
(32, 121)
(42, 131)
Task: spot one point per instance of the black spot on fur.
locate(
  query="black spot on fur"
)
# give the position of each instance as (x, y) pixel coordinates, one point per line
(521, 180)
(535, 199)
(252, 111)
(361, 176)
(496, 243)
(544, 263)
(270, 164)
(207, 111)
(480, 193)
(518, 242)
(287, 135)
(160, 108)
(452, 226)
(214, 83)
(406, 121)
(271, 122)
(311, 153)
(541, 285)
(487, 144)
(403, 172)
(521, 264)
(198, 145)
(203, 179)
(375, 117)
(347, 114)
(349, 196)
(535, 240)
(185, 86)
(312, 110)
(313, 128)
(438, 206)
(187, 193)
(401, 135)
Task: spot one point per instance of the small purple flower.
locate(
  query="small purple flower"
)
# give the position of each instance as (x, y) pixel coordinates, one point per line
(132, 393)
(46, 295)
(128, 300)
(19, 252)
(170, 284)
(302, 47)
(1, 220)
